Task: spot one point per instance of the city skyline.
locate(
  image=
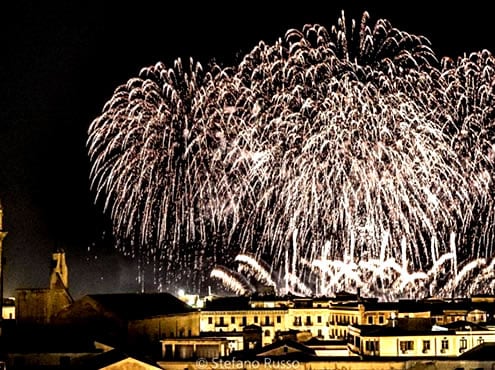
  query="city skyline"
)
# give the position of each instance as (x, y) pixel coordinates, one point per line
(63, 63)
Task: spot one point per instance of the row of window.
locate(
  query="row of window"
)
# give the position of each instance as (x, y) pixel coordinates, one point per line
(298, 320)
(352, 319)
(268, 320)
(408, 345)
(222, 321)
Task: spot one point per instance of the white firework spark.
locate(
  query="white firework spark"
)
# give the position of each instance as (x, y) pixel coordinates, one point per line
(357, 137)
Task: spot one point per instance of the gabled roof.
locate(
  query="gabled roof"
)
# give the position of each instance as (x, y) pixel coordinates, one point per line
(284, 347)
(135, 306)
(113, 359)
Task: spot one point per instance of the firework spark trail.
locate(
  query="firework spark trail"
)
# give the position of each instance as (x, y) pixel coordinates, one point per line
(232, 280)
(357, 137)
(258, 268)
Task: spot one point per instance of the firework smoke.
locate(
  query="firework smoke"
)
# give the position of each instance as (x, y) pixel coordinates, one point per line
(355, 140)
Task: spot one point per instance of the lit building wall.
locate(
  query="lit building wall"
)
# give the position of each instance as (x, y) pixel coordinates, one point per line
(379, 317)
(436, 344)
(270, 321)
(311, 319)
(340, 317)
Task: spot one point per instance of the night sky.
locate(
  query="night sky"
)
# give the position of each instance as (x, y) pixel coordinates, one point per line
(60, 63)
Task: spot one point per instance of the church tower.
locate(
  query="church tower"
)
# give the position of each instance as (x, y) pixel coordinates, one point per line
(3, 234)
(59, 273)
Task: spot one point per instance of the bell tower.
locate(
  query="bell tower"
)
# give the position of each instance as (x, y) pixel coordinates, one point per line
(59, 272)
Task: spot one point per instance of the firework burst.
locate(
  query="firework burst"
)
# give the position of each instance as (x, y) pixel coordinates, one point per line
(350, 141)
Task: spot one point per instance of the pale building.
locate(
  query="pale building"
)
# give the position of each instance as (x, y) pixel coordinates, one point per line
(412, 341)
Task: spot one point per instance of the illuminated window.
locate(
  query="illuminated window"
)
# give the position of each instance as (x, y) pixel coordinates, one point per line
(445, 344)
(463, 344)
(426, 346)
(406, 345)
(372, 345)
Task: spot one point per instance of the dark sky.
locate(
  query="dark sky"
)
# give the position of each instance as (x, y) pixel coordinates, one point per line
(60, 63)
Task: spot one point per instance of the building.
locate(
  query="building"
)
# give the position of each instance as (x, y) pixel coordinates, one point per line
(417, 338)
(131, 320)
(40, 305)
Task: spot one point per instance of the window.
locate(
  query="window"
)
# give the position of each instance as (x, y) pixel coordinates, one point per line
(445, 345)
(232, 320)
(463, 344)
(244, 320)
(380, 319)
(480, 340)
(279, 319)
(320, 333)
(222, 321)
(189, 333)
(308, 320)
(318, 319)
(406, 345)
(267, 320)
(426, 346)
(370, 320)
(256, 319)
(210, 320)
(267, 333)
(372, 345)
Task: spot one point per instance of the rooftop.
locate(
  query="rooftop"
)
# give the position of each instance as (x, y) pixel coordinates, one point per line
(141, 305)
